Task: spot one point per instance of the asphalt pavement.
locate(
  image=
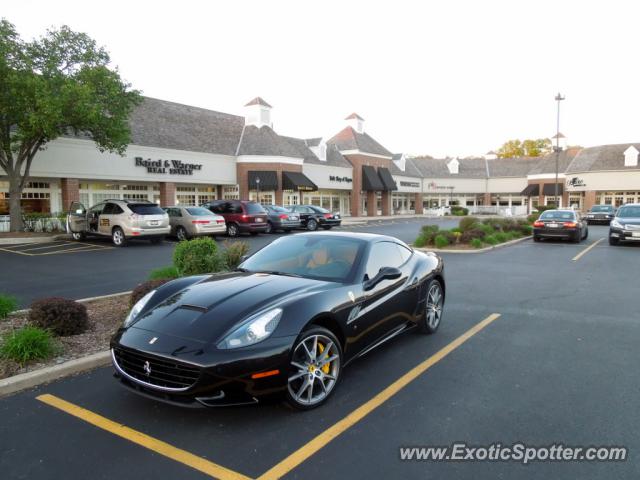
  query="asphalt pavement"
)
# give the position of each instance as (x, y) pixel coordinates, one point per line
(87, 269)
(556, 366)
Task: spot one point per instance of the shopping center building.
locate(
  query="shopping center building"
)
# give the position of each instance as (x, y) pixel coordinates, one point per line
(186, 155)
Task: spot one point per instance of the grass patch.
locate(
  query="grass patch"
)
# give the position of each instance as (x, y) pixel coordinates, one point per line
(169, 272)
(8, 304)
(27, 344)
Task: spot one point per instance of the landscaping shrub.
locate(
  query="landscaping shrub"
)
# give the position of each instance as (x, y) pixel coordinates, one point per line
(467, 223)
(476, 243)
(233, 253)
(420, 242)
(62, 317)
(472, 234)
(491, 240)
(144, 288)
(459, 211)
(501, 237)
(8, 304)
(542, 208)
(169, 272)
(427, 235)
(532, 218)
(486, 229)
(441, 241)
(197, 256)
(26, 344)
(526, 229)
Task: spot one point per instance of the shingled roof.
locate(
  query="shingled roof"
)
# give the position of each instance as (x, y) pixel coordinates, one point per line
(437, 167)
(547, 164)
(349, 139)
(603, 157)
(511, 167)
(334, 157)
(410, 169)
(158, 123)
(264, 141)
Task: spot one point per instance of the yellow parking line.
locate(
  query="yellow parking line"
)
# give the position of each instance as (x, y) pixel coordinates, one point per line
(198, 463)
(586, 250)
(18, 252)
(306, 451)
(80, 249)
(44, 247)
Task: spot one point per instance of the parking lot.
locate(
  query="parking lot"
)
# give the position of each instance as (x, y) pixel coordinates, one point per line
(538, 345)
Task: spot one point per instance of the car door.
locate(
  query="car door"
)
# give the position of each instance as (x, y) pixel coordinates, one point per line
(93, 218)
(304, 213)
(386, 306)
(77, 218)
(106, 218)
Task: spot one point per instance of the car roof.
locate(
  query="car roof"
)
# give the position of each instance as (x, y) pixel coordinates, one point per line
(560, 210)
(367, 237)
(630, 205)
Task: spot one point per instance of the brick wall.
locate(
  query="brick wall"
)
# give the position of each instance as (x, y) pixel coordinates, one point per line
(243, 169)
(167, 193)
(70, 188)
(418, 199)
(358, 161)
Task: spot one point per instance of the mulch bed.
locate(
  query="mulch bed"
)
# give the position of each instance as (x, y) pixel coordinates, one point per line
(105, 316)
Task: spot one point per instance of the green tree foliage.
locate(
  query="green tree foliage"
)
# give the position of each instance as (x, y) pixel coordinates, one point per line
(525, 148)
(57, 84)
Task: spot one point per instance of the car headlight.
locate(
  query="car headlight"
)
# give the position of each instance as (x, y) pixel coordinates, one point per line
(615, 223)
(253, 330)
(137, 308)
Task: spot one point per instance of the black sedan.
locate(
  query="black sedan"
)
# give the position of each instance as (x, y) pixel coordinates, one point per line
(600, 214)
(280, 218)
(567, 224)
(625, 226)
(284, 324)
(312, 217)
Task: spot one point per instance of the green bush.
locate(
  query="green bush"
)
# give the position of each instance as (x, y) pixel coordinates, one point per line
(459, 211)
(142, 289)
(491, 240)
(501, 237)
(441, 241)
(233, 253)
(61, 316)
(8, 303)
(427, 235)
(532, 218)
(169, 272)
(420, 242)
(455, 230)
(476, 243)
(486, 229)
(469, 235)
(526, 229)
(26, 344)
(197, 256)
(467, 223)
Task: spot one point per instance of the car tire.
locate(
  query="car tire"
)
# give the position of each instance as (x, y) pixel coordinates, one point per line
(303, 369)
(118, 238)
(182, 234)
(312, 225)
(433, 308)
(78, 236)
(232, 230)
(614, 241)
(577, 238)
(536, 238)
(586, 234)
(328, 227)
(269, 228)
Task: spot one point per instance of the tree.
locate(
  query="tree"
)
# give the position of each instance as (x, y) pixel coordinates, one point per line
(525, 148)
(58, 84)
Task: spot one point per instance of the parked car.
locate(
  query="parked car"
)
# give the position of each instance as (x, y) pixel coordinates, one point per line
(600, 214)
(567, 224)
(284, 323)
(281, 218)
(625, 226)
(189, 222)
(121, 220)
(241, 216)
(312, 217)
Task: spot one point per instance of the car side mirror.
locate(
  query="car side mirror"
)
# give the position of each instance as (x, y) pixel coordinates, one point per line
(385, 273)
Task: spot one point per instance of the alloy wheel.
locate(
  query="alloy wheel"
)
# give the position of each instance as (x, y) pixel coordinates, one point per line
(312, 225)
(232, 230)
(118, 237)
(269, 228)
(315, 367)
(434, 306)
(181, 233)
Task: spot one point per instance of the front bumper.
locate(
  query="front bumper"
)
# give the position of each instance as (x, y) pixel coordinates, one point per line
(330, 222)
(225, 377)
(624, 235)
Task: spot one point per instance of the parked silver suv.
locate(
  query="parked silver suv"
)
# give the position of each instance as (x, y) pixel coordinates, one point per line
(119, 219)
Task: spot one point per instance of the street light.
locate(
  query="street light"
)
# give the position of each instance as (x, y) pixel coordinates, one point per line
(258, 188)
(559, 98)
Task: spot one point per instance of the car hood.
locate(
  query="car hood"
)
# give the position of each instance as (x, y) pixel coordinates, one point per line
(204, 312)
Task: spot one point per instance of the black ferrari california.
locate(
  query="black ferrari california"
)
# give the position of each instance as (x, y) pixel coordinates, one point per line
(285, 322)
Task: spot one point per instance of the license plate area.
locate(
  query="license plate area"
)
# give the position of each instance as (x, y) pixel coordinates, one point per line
(553, 225)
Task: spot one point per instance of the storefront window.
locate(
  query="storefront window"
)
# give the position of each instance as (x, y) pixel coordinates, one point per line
(186, 200)
(136, 196)
(231, 192)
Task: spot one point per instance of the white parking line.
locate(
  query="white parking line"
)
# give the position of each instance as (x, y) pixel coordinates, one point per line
(586, 250)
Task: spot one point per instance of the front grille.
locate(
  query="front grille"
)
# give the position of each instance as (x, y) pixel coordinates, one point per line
(160, 372)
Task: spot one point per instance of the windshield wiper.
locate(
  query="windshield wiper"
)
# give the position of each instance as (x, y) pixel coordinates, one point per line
(240, 269)
(277, 272)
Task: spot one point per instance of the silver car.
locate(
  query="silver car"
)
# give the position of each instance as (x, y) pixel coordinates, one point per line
(119, 219)
(188, 222)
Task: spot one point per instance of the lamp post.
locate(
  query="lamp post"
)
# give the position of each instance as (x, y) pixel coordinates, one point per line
(559, 98)
(258, 188)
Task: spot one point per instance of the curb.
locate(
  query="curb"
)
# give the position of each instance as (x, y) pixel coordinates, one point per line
(44, 375)
(479, 250)
(26, 240)
(81, 300)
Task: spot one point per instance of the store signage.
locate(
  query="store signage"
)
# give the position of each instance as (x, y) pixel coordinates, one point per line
(576, 182)
(171, 167)
(335, 178)
(410, 184)
(435, 186)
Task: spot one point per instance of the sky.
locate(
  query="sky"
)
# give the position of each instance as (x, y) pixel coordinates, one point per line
(440, 78)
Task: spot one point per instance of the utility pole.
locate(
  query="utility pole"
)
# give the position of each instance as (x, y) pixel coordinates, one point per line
(559, 98)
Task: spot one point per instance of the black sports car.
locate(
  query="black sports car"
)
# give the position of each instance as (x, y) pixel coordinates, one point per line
(286, 322)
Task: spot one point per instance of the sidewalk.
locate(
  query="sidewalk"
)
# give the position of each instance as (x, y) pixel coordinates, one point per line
(365, 220)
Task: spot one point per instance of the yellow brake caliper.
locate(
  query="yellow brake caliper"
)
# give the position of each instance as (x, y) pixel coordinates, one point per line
(327, 366)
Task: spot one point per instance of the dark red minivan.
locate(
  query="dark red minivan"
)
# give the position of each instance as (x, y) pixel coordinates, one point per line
(241, 216)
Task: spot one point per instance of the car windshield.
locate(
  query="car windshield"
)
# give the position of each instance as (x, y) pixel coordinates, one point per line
(146, 209)
(318, 257)
(254, 208)
(557, 215)
(199, 212)
(602, 208)
(629, 212)
(275, 208)
(320, 209)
